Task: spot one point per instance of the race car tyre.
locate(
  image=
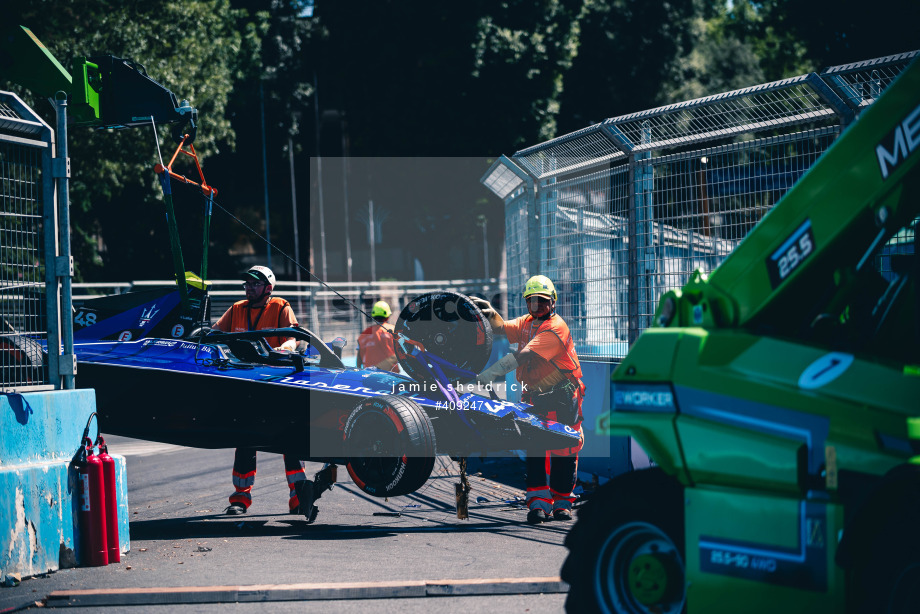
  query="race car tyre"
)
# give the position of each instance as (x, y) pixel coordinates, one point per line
(450, 326)
(21, 361)
(390, 445)
(883, 574)
(626, 552)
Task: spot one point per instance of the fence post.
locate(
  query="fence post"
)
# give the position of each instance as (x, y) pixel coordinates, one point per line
(52, 248)
(644, 240)
(640, 205)
(64, 263)
(359, 320)
(547, 242)
(844, 111)
(533, 230)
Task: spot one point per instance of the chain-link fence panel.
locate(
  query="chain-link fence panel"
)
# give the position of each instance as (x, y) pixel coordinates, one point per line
(706, 202)
(25, 152)
(583, 225)
(629, 208)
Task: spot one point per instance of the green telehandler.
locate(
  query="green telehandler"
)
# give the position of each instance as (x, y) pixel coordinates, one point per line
(780, 402)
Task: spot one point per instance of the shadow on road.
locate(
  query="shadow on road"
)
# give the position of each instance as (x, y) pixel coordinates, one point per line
(213, 526)
(432, 509)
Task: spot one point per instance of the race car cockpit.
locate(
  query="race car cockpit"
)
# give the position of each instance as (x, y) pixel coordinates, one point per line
(250, 347)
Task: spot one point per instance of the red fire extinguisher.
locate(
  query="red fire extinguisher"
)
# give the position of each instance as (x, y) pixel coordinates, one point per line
(92, 506)
(111, 501)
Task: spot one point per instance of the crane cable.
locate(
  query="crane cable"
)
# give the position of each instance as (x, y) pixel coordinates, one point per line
(209, 193)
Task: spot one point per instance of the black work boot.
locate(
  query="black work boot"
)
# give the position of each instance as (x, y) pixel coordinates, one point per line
(536, 516)
(235, 509)
(323, 481)
(304, 490)
(562, 514)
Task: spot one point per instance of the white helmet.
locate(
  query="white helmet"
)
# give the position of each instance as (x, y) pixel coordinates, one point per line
(260, 273)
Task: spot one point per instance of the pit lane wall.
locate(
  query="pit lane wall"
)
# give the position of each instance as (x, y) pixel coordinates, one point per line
(39, 434)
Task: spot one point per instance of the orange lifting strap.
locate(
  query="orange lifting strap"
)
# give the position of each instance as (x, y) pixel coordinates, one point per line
(205, 188)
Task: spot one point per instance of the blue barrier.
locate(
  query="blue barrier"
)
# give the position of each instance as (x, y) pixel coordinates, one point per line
(603, 456)
(39, 434)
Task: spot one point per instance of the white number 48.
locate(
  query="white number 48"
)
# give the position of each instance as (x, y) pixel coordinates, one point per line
(85, 318)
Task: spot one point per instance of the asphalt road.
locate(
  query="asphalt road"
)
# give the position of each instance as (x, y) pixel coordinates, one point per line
(183, 548)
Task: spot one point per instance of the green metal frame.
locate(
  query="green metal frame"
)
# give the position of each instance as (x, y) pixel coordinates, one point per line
(766, 387)
(36, 68)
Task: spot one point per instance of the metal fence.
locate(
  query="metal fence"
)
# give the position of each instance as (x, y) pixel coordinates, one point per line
(621, 211)
(27, 243)
(328, 309)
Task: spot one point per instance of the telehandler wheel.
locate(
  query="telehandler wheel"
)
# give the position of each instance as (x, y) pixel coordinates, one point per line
(390, 445)
(626, 551)
(884, 574)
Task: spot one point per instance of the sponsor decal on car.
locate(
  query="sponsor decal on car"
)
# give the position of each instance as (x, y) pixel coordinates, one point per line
(147, 315)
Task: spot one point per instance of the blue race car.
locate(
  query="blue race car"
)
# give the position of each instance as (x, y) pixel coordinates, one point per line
(158, 380)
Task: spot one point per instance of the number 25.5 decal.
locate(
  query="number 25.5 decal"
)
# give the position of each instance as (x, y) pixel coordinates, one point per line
(791, 254)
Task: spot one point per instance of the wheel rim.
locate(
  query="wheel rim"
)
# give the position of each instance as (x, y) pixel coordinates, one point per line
(373, 448)
(640, 571)
(448, 325)
(905, 594)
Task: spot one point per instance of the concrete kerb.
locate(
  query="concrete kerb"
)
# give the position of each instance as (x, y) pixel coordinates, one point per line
(305, 592)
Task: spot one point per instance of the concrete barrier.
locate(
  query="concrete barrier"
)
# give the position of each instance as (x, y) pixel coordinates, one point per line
(39, 434)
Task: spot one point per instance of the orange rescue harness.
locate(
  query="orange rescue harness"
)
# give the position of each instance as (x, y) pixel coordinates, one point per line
(539, 369)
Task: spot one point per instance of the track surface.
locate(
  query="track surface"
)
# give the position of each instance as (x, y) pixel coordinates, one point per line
(183, 550)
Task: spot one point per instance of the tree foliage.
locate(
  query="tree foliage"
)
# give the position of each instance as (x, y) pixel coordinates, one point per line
(722, 54)
(420, 79)
(400, 78)
(626, 53)
(833, 32)
(199, 50)
(423, 78)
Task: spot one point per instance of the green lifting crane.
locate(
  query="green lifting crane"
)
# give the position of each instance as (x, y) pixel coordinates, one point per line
(113, 93)
(103, 91)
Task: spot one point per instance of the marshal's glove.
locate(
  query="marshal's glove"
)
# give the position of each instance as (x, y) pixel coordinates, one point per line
(387, 363)
(290, 346)
(507, 364)
(489, 312)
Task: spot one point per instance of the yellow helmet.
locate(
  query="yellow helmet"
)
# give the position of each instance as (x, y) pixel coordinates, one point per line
(381, 310)
(540, 285)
